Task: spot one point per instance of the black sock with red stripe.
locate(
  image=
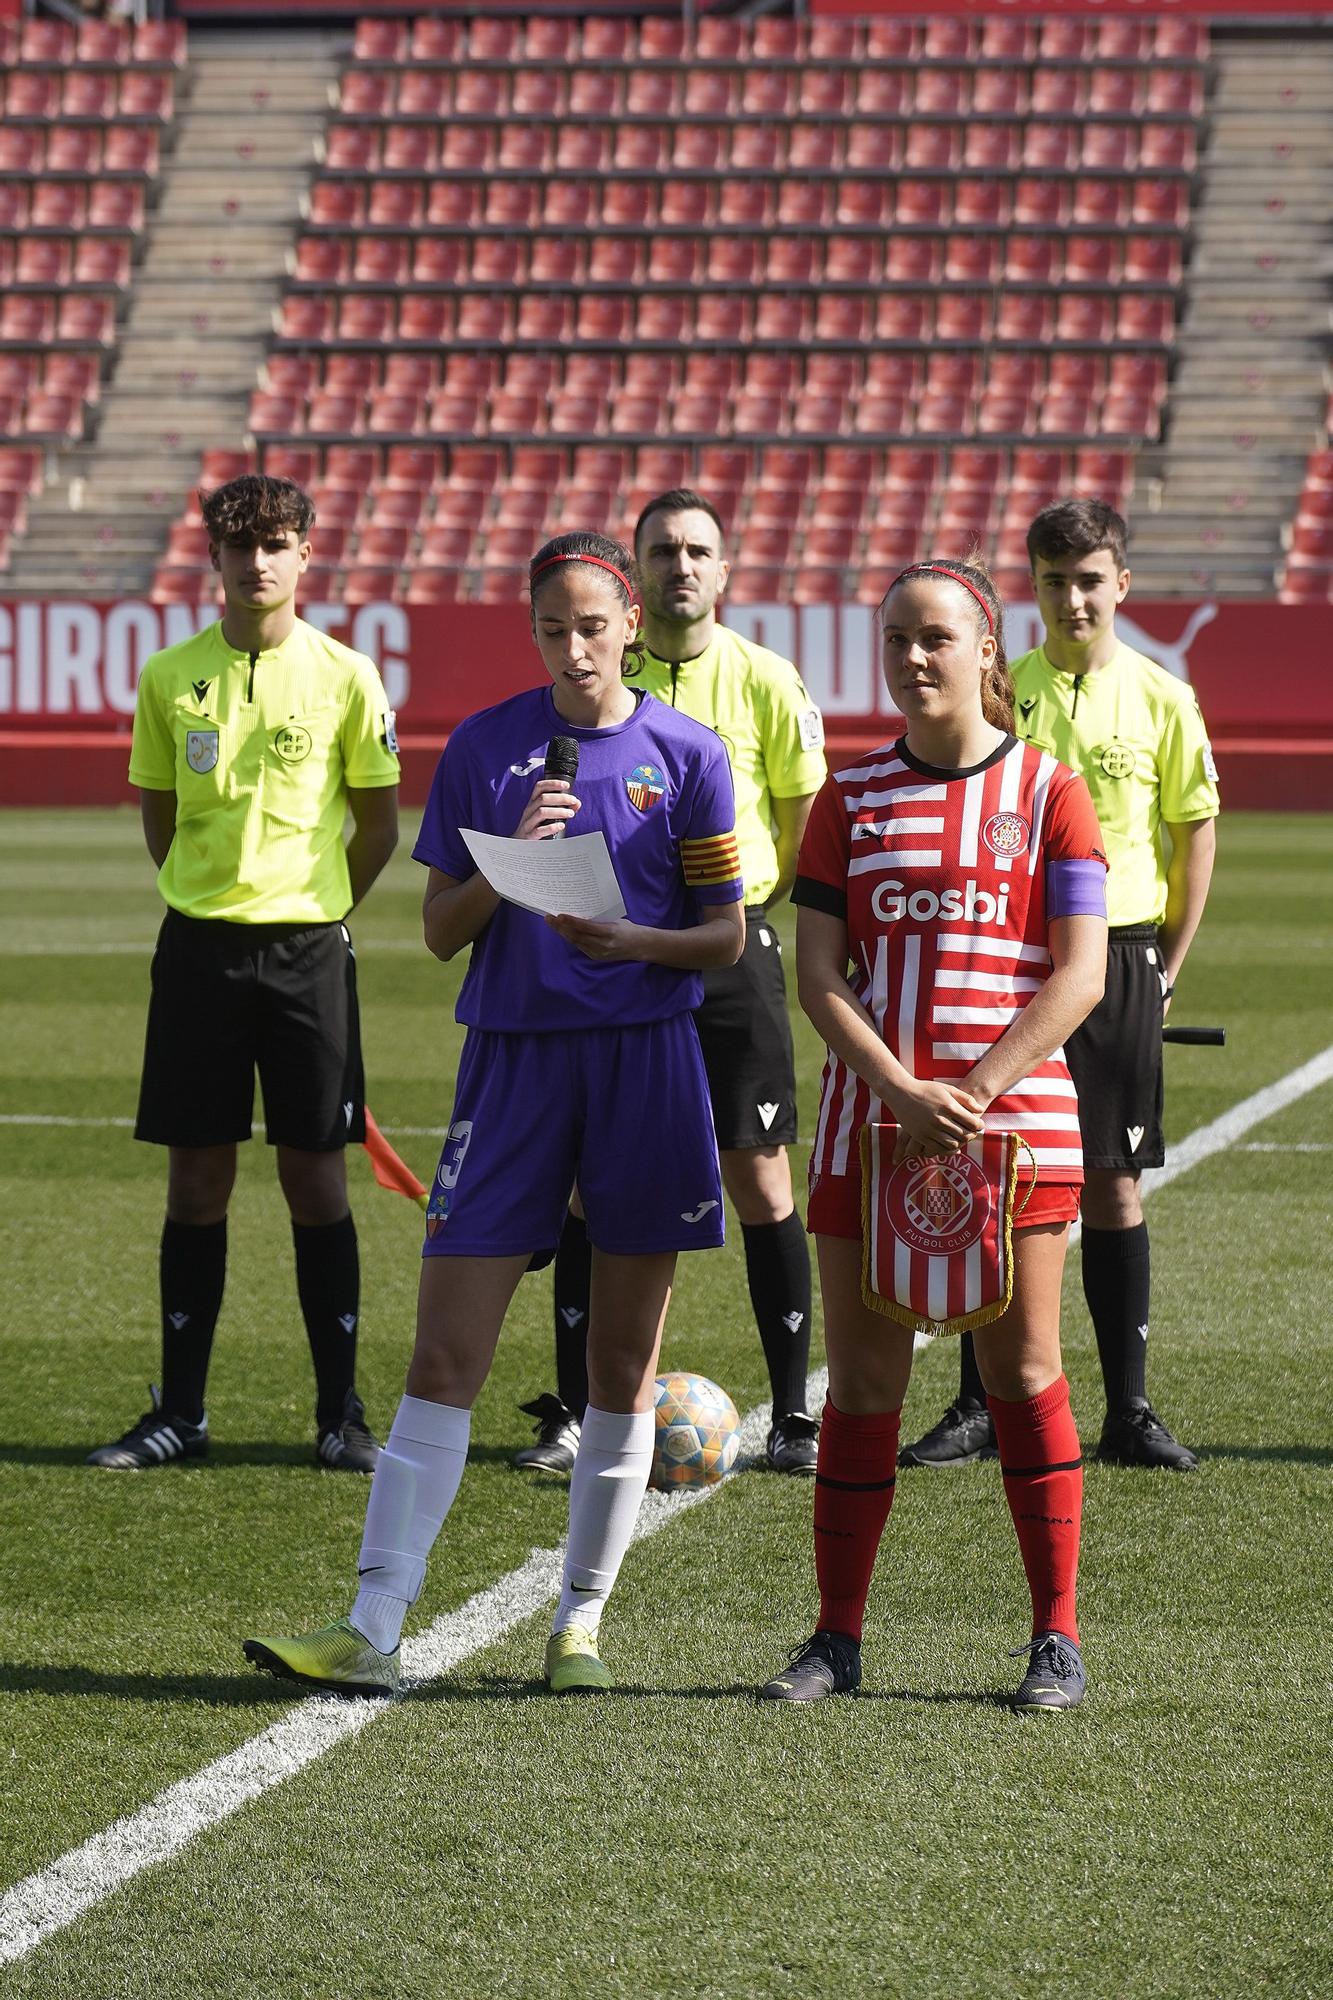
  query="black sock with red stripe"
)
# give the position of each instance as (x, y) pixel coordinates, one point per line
(854, 1482)
(1042, 1464)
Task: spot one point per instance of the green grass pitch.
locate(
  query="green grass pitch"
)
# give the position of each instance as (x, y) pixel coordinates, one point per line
(675, 1839)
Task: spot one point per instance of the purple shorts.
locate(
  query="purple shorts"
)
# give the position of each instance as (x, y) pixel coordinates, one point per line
(622, 1112)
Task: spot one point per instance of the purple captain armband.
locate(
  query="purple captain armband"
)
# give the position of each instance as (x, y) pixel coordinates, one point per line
(1075, 889)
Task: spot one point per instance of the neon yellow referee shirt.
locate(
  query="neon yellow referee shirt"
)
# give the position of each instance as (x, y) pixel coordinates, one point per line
(260, 751)
(774, 735)
(1136, 734)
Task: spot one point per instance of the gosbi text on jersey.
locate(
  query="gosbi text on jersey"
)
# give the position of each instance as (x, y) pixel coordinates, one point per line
(944, 881)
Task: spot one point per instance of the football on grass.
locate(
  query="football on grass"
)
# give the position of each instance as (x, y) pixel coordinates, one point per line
(698, 1432)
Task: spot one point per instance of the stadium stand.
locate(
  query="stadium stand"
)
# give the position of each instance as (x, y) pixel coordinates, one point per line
(873, 282)
(818, 230)
(86, 113)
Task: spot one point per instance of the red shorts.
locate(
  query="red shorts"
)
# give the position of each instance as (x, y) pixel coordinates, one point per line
(835, 1204)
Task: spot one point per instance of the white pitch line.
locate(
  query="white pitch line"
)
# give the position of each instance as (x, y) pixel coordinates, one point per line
(123, 949)
(50, 1900)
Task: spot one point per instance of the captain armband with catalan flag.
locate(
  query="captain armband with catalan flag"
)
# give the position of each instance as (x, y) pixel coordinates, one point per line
(711, 863)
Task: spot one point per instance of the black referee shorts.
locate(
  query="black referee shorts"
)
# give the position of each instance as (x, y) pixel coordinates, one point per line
(745, 1035)
(228, 999)
(1115, 1058)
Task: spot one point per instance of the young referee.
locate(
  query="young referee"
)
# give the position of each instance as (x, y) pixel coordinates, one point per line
(1136, 734)
(252, 741)
(774, 738)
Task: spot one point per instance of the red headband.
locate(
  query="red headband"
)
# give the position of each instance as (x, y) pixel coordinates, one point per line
(938, 569)
(597, 561)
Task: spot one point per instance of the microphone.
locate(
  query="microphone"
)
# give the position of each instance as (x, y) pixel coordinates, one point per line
(562, 761)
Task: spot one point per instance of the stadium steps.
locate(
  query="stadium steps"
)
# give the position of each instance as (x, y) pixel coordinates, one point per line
(1247, 397)
(200, 315)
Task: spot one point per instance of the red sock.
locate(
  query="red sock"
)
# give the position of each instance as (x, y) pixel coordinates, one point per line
(858, 1462)
(1042, 1465)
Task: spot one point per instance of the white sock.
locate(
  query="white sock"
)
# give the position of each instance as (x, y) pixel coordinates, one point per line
(610, 1475)
(414, 1486)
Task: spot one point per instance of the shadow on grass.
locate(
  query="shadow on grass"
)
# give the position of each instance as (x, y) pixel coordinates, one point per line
(1271, 1454)
(513, 1687)
(240, 1690)
(219, 1457)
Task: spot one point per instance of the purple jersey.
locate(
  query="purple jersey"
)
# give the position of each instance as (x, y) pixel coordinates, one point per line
(658, 786)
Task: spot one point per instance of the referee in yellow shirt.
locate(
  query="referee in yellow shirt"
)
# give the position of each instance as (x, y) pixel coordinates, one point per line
(251, 743)
(774, 736)
(1136, 734)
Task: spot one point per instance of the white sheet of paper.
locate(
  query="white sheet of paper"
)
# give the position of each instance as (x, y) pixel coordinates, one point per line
(571, 877)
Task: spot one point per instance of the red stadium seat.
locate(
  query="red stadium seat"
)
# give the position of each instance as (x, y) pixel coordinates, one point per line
(507, 585)
(778, 38)
(766, 543)
(380, 260)
(883, 93)
(814, 149)
(159, 44)
(332, 415)
(342, 204)
(348, 374)
(275, 413)
(1100, 204)
(365, 585)
(963, 316)
(422, 317)
(499, 260)
(380, 42)
(1040, 203)
(390, 410)
(1180, 41)
(999, 93)
(569, 205)
(1160, 204)
(992, 149)
(58, 205)
(145, 95)
(46, 44)
(1123, 40)
(652, 94)
(1050, 148)
(942, 93)
(699, 148)
(1152, 260)
(434, 585)
(129, 149)
(609, 318)
(932, 149)
(804, 204)
(454, 204)
(872, 148)
(512, 204)
(608, 40)
(948, 40)
(366, 317)
(1092, 260)
(594, 97)
(852, 260)
(978, 204)
(709, 93)
(79, 94)
(365, 94)
(537, 93)
(464, 149)
(414, 149)
(1168, 149)
(1110, 149)
(103, 44)
(102, 260)
(765, 93)
(1004, 415)
(74, 149)
(971, 260)
(735, 260)
(1084, 317)
(280, 461)
(758, 149)
(1025, 316)
(320, 260)
(913, 260)
(544, 317)
(1116, 93)
(352, 148)
(923, 204)
(420, 93)
(1032, 260)
(45, 261)
(905, 317)
(719, 40)
(311, 318)
(820, 416)
(721, 317)
(861, 203)
(792, 260)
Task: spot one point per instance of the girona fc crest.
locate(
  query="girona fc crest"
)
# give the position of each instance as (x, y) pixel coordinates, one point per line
(645, 785)
(1006, 835)
(938, 1206)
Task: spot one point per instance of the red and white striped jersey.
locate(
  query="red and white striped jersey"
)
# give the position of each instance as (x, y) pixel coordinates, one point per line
(940, 877)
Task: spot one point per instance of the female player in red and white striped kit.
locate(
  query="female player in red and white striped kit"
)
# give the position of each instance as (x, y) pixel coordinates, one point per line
(960, 872)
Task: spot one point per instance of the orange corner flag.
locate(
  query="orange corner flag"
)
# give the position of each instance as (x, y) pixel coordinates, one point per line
(388, 1169)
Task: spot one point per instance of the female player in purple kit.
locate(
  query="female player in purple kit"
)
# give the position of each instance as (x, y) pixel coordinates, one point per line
(581, 1063)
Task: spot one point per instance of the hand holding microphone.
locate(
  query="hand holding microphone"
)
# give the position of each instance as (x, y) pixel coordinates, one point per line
(553, 803)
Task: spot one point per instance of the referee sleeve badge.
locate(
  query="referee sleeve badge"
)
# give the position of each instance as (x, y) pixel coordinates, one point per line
(708, 863)
(937, 1247)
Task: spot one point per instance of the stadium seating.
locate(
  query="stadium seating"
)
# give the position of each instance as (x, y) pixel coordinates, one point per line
(85, 111)
(536, 238)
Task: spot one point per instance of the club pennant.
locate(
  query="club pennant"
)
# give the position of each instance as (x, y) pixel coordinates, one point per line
(937, 1245)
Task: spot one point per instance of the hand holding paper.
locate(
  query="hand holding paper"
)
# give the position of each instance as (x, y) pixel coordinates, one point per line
(570, 877)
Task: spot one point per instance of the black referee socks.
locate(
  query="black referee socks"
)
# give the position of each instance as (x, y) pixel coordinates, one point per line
(192, 1269)
(777, 1265)
(1116, 1287)
(328, 1284)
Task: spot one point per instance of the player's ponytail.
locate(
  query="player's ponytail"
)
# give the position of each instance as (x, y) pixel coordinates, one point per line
(997, 689)
(606, 558)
